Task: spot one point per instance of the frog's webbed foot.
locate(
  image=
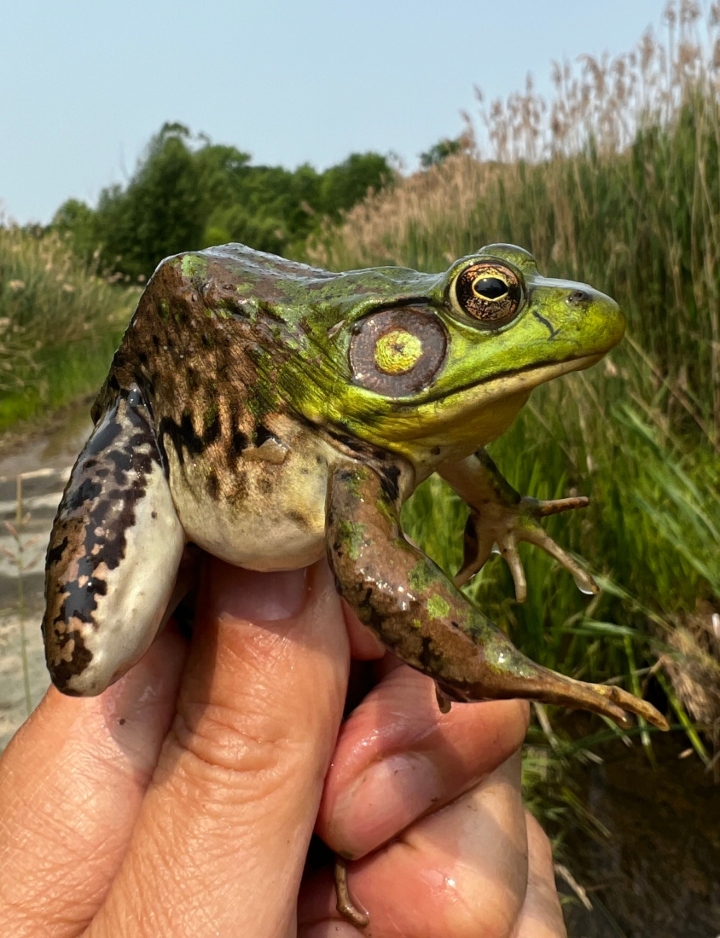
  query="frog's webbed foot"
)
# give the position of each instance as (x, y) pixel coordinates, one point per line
(499, 515)
(506, 526)
(113, 555)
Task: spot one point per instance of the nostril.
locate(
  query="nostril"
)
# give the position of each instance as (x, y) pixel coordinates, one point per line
(577, 297)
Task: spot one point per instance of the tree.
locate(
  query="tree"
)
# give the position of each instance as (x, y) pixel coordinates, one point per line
(441, 150)
(77, 220)
(349, 182)
(159, 212)
(187, 193)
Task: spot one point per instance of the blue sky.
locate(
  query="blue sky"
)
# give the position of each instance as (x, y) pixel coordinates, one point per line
(85, 83)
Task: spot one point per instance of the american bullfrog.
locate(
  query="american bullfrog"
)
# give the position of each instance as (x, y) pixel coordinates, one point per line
(271, 412)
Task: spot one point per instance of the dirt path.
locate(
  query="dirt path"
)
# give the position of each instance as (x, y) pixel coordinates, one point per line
(42, 464)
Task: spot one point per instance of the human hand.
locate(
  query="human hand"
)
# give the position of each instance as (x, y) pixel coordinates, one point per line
(182, 801)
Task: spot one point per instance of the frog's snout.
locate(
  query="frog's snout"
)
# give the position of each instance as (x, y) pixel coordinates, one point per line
(615, 321)
(599, 317)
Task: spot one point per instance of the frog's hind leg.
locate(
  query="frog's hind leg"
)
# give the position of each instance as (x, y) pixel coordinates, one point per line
(113, 555)
(426, 621)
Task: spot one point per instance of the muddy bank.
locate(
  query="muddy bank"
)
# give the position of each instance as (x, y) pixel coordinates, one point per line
(657, 872)
(42, 461)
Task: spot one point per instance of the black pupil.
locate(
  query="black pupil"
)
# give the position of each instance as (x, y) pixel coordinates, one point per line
(490, 288)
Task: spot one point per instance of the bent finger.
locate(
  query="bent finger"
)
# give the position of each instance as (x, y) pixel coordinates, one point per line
(398, 758)
(461, 872)
(541, 915)
(71, 784)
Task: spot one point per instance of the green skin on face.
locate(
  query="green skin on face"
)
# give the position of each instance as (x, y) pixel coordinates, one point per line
(463, 395)
(484, 362)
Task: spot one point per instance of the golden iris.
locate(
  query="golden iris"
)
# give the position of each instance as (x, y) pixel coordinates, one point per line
(489, 292)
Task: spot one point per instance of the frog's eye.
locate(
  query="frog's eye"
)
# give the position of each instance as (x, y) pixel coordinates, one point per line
(491, 293)
(397, 352)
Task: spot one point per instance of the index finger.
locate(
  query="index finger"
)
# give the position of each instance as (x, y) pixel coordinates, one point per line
(72, 782)
(220, 843)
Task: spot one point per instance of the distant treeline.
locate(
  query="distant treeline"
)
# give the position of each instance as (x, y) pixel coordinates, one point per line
(187, 193)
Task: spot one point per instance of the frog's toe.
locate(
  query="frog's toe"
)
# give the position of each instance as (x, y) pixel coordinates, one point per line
(628, 703)
(606, 699)
(511, 674)
(583, 580)
(478, 543)
(113, 554)
(345, 905)
(509, 549)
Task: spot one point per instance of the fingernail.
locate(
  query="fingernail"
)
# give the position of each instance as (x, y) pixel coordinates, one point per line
(391, 794)
(256, 597)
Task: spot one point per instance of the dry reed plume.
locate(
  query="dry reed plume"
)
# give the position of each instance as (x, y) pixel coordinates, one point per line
(615, 180)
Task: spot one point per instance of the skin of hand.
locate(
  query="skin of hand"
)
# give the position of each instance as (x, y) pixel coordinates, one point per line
(182, 801)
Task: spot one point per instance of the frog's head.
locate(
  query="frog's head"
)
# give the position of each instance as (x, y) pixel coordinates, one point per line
(449, 362)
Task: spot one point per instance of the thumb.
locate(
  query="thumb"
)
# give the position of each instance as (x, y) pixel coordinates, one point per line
(220, 844)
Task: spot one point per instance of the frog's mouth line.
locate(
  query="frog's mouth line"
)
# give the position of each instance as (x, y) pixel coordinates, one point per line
(519, 380)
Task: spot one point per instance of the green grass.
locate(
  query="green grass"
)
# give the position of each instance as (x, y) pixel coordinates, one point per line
(651, 533)
(651, 537)
(59, 325)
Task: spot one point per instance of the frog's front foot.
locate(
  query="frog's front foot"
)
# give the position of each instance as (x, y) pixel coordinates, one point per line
(508, 524)
(500, 515)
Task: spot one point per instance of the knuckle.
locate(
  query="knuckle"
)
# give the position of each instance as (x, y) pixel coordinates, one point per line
(226, 753)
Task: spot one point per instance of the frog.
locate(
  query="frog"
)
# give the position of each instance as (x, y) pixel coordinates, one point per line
(272, 413)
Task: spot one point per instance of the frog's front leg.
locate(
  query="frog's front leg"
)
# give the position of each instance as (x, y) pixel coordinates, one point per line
(500, 515)
(419, 614)
(113, 555)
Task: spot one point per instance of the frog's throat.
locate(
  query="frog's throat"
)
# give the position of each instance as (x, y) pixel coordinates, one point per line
(510, 383)
(477, 413)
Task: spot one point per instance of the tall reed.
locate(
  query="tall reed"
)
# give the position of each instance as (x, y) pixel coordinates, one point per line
(59, 324)
(615, 180)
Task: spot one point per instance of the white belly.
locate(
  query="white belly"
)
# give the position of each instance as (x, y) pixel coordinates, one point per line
(272, 518)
